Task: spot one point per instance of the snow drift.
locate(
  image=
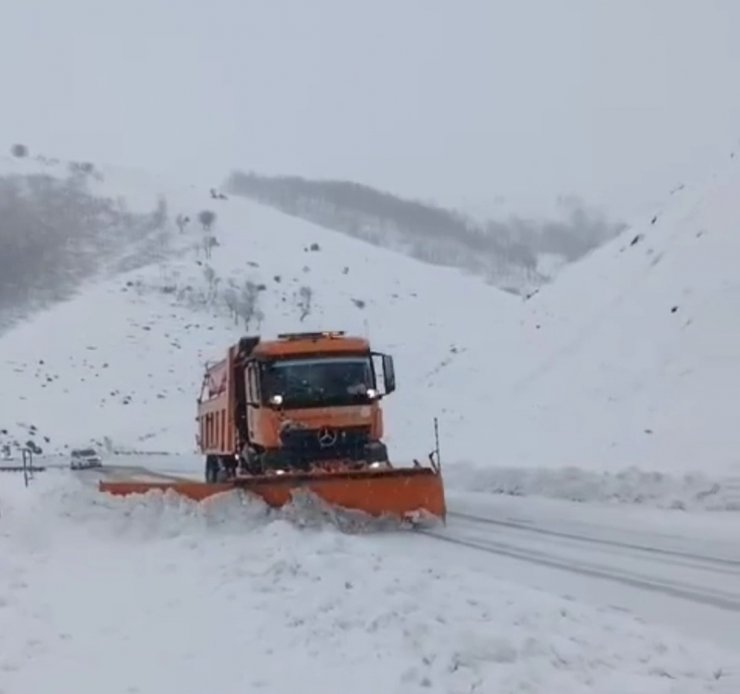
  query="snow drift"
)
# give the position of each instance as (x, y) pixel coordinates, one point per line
(160, 595)
(623, 486)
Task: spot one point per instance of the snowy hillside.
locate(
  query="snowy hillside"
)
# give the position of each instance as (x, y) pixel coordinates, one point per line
(64, 224)
(124, 360)
(512, 253)
(624, 371)
(638, 347)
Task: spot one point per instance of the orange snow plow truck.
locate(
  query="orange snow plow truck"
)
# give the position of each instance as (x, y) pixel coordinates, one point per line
(302, 412)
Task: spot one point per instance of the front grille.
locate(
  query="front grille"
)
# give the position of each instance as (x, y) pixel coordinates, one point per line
(326, 443)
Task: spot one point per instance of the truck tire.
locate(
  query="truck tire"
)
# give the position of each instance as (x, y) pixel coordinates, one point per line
(376, 452)
(281, 459)
(227, 467)
(212, 469)
(250, 461)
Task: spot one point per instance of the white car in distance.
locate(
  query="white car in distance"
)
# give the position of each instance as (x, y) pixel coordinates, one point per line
(85, 458)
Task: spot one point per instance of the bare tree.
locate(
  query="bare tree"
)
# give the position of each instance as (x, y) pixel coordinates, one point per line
(158, 218)
(247, 304)
(19, 150)
(305, 295)
(182, 221)
(206, 219)
(231, 299)
(210, 275)
(209, 242)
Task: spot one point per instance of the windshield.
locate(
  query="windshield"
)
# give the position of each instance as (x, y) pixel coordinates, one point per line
(319, 382)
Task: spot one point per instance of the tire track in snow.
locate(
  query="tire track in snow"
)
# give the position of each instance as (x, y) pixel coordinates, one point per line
(722, 564)
(487, 533)
(127, 473)
(483, 538)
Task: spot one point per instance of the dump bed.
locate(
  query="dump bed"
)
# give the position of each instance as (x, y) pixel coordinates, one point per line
(216, 433)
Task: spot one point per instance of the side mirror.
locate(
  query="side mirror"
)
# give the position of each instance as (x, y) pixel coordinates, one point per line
(389, 374)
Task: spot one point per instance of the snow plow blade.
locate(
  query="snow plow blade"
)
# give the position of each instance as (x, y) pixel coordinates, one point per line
(405, 493)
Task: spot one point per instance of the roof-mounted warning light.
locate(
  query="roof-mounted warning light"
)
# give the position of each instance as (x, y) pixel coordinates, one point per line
(311, 336)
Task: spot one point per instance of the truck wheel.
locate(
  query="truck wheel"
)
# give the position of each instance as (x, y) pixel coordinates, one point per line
(376, 452)
(212, 469)
(227, 467)
(253, 462)
(274, 460)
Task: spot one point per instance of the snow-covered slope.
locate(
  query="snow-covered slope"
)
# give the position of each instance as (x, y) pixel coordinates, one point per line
(65, 224)
(619, 381)
(638, 347)
(629, 360)
(124, 360)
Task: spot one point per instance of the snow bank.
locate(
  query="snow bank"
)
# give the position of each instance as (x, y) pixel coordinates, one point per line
(151, 596)
(628, 486)
(633, 485)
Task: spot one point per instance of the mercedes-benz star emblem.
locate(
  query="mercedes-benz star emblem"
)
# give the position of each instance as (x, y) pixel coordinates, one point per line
(327, 437)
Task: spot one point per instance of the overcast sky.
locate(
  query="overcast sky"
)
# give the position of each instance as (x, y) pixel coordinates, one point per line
(611, 100)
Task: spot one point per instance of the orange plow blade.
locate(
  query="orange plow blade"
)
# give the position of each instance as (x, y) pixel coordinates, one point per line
(404, 493)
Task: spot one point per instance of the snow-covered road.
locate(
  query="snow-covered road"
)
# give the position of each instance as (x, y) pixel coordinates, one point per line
(679, 569)
(704, 579)
(514, 594)
(687, 578)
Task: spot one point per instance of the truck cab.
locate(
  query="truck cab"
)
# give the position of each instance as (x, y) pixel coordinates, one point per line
(300, 401)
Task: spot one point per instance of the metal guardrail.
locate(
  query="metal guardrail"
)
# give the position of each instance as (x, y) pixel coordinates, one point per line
(27, 467)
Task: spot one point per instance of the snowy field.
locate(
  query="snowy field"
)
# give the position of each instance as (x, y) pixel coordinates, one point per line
(157, 595)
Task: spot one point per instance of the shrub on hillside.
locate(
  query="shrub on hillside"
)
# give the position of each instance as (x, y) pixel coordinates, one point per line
(18, 150)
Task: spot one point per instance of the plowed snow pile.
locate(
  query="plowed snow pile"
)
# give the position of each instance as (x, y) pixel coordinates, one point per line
(154, 596)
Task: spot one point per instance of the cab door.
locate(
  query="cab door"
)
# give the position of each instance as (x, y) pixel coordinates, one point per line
(385, 373)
